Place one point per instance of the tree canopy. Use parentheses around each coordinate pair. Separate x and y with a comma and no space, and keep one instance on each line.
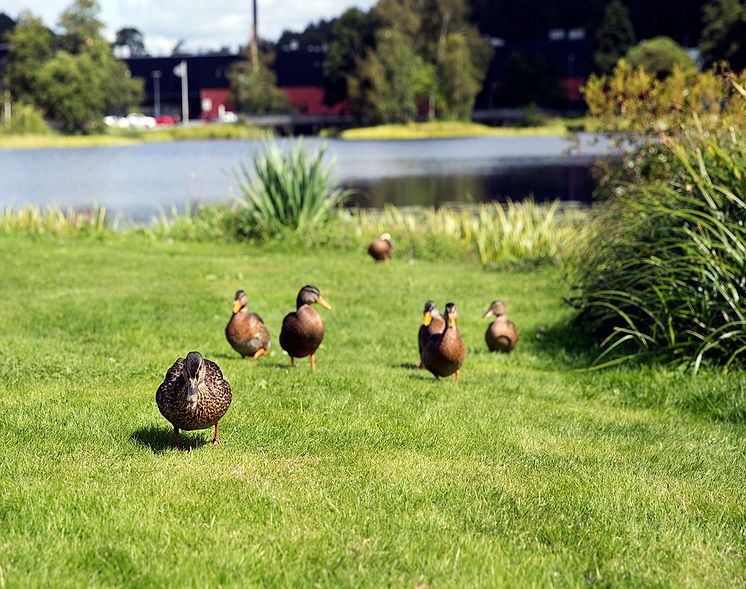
(614,37)
(724,33)
(659,56)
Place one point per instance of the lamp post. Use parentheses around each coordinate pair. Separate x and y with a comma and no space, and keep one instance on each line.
(156,75)
(180,71)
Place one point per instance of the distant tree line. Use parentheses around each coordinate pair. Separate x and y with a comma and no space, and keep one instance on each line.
(71,77)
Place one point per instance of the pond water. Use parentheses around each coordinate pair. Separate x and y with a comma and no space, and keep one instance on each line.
(138,180)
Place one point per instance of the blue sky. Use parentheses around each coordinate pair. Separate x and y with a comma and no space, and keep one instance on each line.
(202,23)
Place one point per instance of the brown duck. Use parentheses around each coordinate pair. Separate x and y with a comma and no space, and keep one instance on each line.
(502,334)
(444,353)
(380,250)
(194,395)
(432,323)
(246,331)
(302,330)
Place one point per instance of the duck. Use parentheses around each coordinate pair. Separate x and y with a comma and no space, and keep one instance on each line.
(246,332)
(194,395)
(445,352)
(432,323)
(502,334)
(380,250)
(303,330)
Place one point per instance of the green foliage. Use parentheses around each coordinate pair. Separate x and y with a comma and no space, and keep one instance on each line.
(614,37)
(288,190)
(724,33)
(31,44)
(77,85)
(659,56)
(351,36)
(54,221)
(255,92)
(664,277)
(25,120)
(530,79)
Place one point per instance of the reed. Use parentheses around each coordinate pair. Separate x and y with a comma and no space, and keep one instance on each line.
(663,277)
(53,220)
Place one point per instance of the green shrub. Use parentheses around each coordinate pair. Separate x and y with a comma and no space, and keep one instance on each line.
(26,120)
(288,190)
(664,277)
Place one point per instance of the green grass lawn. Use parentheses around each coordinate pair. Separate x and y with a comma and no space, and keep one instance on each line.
(442,129)
(366,473)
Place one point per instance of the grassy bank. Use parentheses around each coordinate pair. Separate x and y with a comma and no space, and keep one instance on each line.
(116,137)
(444,129)
(367,473)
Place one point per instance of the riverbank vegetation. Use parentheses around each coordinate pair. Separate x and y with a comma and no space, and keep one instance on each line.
(443,129)
(552,475)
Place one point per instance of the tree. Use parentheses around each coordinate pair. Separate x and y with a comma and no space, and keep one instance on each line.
(659,56)
(31,44)
(724,33)
(256,93)
(389,79)
(614,37)
(352,34)
(131,38)
(530,79)
(81,24)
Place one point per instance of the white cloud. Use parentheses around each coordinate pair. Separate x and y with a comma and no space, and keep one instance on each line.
(201,23)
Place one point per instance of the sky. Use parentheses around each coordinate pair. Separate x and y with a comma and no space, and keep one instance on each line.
(203,24)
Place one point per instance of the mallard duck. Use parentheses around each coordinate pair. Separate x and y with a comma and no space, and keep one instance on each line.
(432,323)
(380,250)
(502,334)
(444,352)
(302,330)
(246,331)
(194,395)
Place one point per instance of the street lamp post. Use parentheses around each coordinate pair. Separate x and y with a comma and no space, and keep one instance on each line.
(157,92)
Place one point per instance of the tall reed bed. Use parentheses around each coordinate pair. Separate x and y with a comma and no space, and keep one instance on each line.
(53,220)
(491,233)
(664,276)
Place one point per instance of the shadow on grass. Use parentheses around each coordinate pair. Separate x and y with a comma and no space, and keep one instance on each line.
(563,343)
(161,439)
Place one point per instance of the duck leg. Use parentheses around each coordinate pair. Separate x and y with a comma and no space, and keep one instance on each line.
(313,361)
(457,376)
(259,353)
(292,361)
(216,439)
(422,364)
(177,437)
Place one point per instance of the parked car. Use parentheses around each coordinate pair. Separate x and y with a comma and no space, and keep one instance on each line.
(164,120)
(138,120)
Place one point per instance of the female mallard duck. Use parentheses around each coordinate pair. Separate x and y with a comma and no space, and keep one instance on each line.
(380,250)
(501,334)
(432,323)
(444,352)
(246,331)
(194,395)
(302,330)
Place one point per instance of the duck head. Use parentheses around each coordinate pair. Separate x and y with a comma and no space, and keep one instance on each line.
(429,312)
(240,301)
(310,295)
(451,315)
(194,376)
(497,309)
(387,238)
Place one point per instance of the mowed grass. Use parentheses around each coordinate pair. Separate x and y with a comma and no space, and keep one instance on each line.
(366,473)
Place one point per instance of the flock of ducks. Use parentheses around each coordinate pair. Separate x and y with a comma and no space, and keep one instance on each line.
(194,395)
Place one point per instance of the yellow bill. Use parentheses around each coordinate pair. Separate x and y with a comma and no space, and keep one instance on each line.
(427,319)
(322,301)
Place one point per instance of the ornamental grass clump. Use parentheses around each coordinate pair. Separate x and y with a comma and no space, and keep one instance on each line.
(289,189)
(664,277)
(53,220)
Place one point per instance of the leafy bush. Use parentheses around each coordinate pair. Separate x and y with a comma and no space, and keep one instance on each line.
(26,120)
(288,190)
(659,56)
(664,277)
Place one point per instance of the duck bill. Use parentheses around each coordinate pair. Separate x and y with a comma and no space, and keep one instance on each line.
(192,394)
(451,322)
(427,319)
(324,303)
(489,313)
(236,306)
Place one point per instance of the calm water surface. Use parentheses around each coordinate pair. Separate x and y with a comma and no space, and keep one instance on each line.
(138,180)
